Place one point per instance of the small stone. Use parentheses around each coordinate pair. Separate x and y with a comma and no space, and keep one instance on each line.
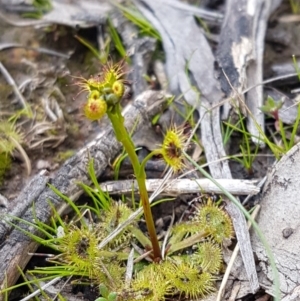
(287,232)
(42,164)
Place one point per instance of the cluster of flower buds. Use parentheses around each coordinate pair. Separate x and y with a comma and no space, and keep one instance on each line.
(105,90)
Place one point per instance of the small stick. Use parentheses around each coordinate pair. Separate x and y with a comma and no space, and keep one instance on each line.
(232,259)
(11,82)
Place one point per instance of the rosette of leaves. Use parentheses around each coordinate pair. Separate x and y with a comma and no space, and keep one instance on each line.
(177,275)
(187,279)
(209,220)
(215,221)
(150,283)
(208,256)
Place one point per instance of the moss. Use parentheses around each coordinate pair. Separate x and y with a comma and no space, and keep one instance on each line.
(5,163)
(63,156)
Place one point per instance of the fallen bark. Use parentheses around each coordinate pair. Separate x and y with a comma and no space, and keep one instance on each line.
(279,221)
(240,56)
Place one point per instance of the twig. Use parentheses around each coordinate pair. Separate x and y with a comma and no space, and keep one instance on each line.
(164,245)
(260,184)
(176,187)
(11,82)
(129,268)
(37,292)
(4,46)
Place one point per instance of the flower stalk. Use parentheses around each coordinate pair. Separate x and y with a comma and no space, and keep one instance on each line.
(123,137)
(105,93)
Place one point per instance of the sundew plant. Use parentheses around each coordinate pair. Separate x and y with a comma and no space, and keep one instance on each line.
(134,265)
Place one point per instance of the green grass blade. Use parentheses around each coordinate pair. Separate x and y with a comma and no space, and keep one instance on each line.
(295,128)
(116,39)
(88,45)
(34,237)
(68,201)
(138,19)
(283,136)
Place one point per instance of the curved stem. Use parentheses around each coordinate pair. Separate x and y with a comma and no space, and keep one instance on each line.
(148,157)
(122,136)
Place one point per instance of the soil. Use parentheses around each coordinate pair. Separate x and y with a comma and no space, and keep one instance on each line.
(50,75)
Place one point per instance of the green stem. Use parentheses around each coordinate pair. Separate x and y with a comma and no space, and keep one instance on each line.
(122,136)
(283,137)
(148,157)
(295,127)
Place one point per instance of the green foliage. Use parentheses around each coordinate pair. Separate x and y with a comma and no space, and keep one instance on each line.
(253,222)
(295,63)
(25,112)
(295,6)
(171,277)
(209,221)
(227,130)
(118,162)
(150,283)
(63,156)
(103,54)
(116,39)
(286,135)
(101,199)
(117,214)
(5,163)
(215,221)
(77,241)
(41,6)
(133,15)
(186,278)
(247,156)
(100,55)
(271,107)
(10,139)
(84,252)
(9,136)
(106,295)
(208,256)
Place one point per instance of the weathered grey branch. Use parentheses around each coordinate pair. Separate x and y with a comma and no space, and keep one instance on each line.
(15,245)
(181,186)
